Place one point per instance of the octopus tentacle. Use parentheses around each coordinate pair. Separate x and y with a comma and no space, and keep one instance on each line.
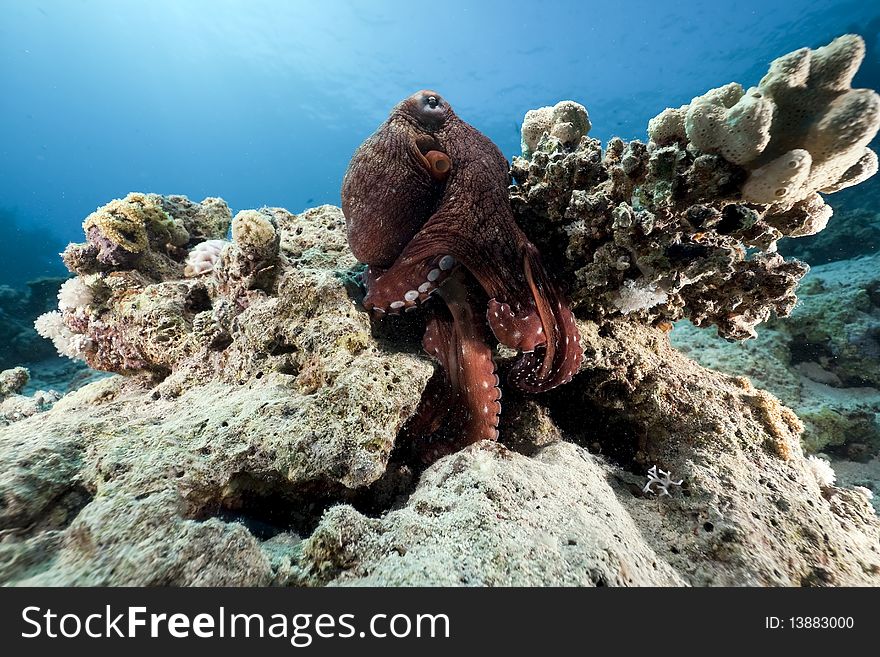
(425,198)
(525,311)
(457,341)
(559,358)
(405,285)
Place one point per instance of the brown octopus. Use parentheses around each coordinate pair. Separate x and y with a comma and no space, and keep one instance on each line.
(426,205)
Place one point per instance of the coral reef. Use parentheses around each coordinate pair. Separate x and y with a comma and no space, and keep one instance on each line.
(301,476)
(119,485)
(147,232)
(674,229)
(823,361)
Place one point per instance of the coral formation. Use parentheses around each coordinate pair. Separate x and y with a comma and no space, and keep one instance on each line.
(13,381)
(301,475)
(567,121)
(854,232)
(822,470)
(148,232)
(679,216)
(292,479)
(749,513)
(802,130)
(203,257)
(823,361)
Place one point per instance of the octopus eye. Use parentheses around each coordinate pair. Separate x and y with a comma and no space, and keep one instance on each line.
(428,109)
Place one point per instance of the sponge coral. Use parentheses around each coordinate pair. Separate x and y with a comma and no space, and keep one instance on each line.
(567,120)
(731,122)
(123,223)
(802,130)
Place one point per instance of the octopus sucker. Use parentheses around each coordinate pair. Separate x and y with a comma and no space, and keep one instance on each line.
(426,205)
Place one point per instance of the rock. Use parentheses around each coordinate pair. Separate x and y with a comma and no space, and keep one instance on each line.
(239,407)
(489,517)
(13,381)
(750,510)
(822,361)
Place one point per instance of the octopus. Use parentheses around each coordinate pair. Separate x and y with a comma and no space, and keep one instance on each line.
(425,200)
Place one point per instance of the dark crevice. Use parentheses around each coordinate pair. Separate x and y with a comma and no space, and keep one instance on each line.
(802,350)
(197,300)
(400,333)
(268,506)
(598,429)
(58,514)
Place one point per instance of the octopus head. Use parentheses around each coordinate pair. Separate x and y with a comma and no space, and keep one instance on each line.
(427,109)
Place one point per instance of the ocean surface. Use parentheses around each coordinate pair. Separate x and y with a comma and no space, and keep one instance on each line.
(263,102)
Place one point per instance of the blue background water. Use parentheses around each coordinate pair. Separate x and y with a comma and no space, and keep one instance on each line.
(263,102)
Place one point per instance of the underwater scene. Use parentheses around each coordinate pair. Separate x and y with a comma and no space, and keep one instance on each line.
(504,294)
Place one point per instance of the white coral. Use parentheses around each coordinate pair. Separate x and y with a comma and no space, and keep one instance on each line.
(822,471)
(662,479)
(567,120)
(203,257)
(73,294)
(51,326)
(639,295)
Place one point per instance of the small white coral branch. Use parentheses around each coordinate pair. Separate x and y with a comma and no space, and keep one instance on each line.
(51,326)
(822,471)
(635,296)
(663,480)
(74,293)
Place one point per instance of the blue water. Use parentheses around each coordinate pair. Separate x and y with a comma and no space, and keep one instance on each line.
(263,102)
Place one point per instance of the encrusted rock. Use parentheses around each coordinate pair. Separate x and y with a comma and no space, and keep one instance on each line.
(823,361)
(750,509)
(13,381)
